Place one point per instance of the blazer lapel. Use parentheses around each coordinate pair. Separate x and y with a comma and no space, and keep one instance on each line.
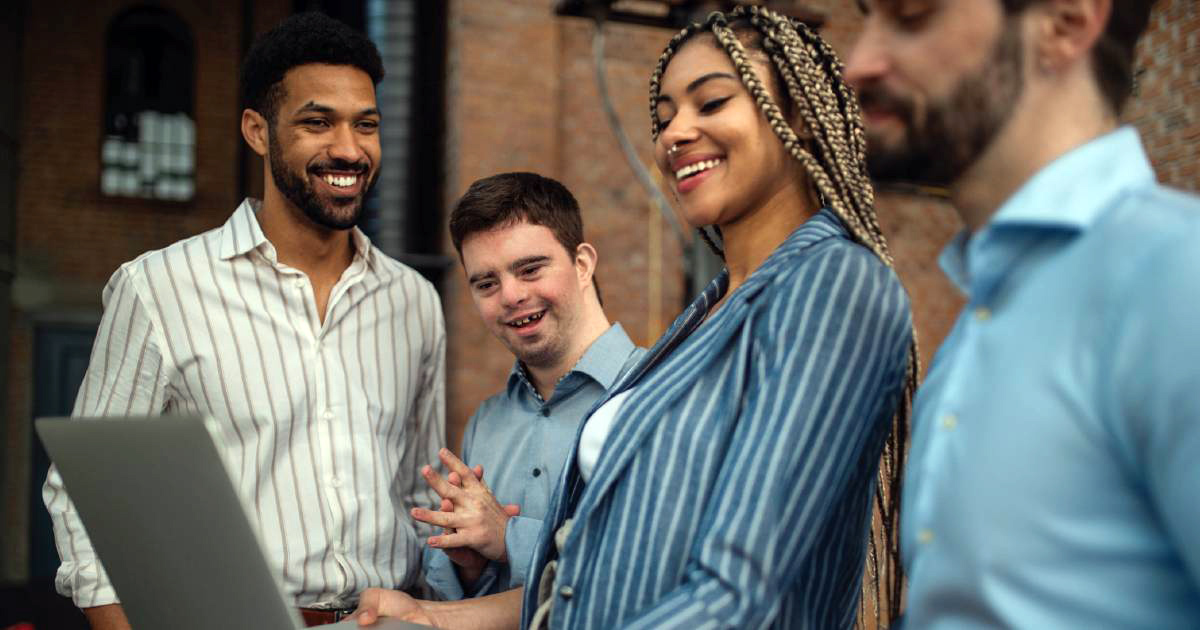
(629,431)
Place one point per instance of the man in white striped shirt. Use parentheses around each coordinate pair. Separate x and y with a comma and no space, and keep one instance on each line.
(320,358)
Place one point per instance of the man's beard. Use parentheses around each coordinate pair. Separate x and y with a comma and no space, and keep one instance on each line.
(297,190)
(956,131)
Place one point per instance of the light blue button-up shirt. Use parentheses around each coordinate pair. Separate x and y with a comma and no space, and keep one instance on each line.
(522,442)
(1054,477)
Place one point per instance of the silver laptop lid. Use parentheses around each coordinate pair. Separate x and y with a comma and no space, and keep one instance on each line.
(166,522)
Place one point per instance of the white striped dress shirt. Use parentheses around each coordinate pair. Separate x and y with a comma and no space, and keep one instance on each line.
(324,425)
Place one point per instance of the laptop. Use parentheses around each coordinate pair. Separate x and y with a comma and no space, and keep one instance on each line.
(144,485)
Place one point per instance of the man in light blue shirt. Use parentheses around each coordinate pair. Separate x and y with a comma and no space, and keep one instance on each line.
(520,239)
(1054,476)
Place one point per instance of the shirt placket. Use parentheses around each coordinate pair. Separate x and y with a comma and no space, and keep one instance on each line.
(330,412)
(989,260)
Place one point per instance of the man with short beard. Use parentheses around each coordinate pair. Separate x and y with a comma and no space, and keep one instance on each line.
(532,279)
(319,359)
(1052,481)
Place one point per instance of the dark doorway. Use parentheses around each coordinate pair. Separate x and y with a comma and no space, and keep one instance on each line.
(61,353)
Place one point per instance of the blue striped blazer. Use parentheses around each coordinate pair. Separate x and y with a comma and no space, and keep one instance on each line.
(734,488)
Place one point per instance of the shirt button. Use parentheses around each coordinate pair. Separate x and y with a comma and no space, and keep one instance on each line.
(949,421)
(983,313)
(545,412)
(925,536)
(328,414)
(566,592)
(335,482)
(537,472)
(299,284)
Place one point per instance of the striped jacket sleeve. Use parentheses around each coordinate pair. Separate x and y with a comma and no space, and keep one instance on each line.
(830,342)
(125,376)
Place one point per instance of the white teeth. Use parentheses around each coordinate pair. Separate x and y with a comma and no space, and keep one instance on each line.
(525,320)
(342,181)
(694,168)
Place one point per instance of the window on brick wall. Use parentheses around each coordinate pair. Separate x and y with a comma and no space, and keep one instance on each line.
(149,145)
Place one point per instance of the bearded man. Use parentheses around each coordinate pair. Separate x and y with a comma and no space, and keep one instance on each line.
(319,359)
(1052,481)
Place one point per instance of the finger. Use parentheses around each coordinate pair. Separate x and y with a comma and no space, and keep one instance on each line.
(368,608)
(441,519)
(439,485)
(450,541)
(447,506)
(478,470)
(454,479)
(512,509)
(454,464)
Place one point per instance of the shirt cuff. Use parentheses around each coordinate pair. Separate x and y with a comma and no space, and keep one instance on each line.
(86,584)
(520,539)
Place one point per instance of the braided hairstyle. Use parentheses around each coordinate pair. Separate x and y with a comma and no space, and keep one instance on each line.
(808,76)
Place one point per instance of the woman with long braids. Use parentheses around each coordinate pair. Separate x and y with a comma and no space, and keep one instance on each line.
(727,480)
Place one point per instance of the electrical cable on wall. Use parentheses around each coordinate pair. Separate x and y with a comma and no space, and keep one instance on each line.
(635,163)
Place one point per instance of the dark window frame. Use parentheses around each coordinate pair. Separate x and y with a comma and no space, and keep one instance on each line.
(148,142)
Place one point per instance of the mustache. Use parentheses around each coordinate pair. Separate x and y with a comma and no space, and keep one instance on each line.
(337,164)
(876,97)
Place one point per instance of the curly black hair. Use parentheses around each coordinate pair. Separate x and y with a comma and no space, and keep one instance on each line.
(301,39)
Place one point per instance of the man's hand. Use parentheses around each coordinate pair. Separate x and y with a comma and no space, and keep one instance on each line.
(107,617)
(475,519)
(501,611)
(469,564)
(377,602)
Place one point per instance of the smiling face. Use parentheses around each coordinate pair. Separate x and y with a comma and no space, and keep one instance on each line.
(529,291)
(727,161)
(938,81)
(324,144)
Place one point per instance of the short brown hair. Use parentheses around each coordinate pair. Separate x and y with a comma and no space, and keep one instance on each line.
(508,198)
(1113,56)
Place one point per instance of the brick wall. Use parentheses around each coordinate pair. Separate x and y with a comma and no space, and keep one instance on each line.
(1166,108)
(522,96)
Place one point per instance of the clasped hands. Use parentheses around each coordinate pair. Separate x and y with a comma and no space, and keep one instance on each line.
(473,521)
(474,525)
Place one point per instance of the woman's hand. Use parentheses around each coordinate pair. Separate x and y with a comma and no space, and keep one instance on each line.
(379,602)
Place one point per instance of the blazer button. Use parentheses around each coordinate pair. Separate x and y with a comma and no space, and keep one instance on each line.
(566,592)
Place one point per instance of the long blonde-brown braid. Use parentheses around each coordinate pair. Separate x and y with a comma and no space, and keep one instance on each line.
(833,154)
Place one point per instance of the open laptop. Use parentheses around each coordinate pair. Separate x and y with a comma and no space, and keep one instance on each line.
(167,523)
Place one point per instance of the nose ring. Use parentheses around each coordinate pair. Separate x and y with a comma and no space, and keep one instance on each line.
(673,150)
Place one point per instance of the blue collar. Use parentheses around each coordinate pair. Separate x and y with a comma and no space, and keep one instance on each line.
(602,361)
(1067,196)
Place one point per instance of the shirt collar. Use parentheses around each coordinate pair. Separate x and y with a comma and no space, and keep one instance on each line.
(1072,191)
(602,361)
(1070,194)
(822,225)
(242,234)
